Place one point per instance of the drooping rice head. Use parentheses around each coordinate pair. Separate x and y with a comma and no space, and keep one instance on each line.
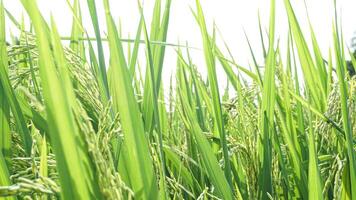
(93,120)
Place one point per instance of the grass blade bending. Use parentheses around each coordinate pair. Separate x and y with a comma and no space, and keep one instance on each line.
(135,162)
(210,61)
(68,145)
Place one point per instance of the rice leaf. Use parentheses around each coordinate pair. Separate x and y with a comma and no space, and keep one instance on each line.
(9,94)
(101,68)
(314,84)
(212,168)
(267,114)
(68,145)
(210,61)
(135,158)
(346,120)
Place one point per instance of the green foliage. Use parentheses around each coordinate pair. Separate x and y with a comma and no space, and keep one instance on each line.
(71,128)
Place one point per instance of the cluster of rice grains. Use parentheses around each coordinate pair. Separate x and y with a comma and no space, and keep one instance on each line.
(332,166)
(83,124)
(25,171)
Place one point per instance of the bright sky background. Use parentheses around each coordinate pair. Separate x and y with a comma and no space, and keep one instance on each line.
(231,17)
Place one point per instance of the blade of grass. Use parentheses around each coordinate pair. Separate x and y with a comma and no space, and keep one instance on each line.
(261,36)
(346,120)
(5,132)
(210,61)
(211,165)
(9,94)
(43,171)
(267,114)
(4,176)
(101,67)
(135,158)
(75,44)
(254,58)
(68,145)
(313,81)
(133,60)
(155,108)
(290,137)
(159,30)
(314,179)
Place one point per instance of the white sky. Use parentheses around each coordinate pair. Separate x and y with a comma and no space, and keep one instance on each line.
(231,16)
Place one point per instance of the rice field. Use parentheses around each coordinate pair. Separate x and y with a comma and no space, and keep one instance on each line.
(77,123)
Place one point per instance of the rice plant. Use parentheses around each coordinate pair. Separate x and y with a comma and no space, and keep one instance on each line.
(76,123)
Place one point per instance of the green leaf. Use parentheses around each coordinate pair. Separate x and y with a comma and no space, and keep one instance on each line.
(211,165)
(267,114)
(345,111)
(311,76)
(68,145)
(314,178)
(214,89)
(9,94)
(155,109)
(159,31)
(135,162)
(101,68)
